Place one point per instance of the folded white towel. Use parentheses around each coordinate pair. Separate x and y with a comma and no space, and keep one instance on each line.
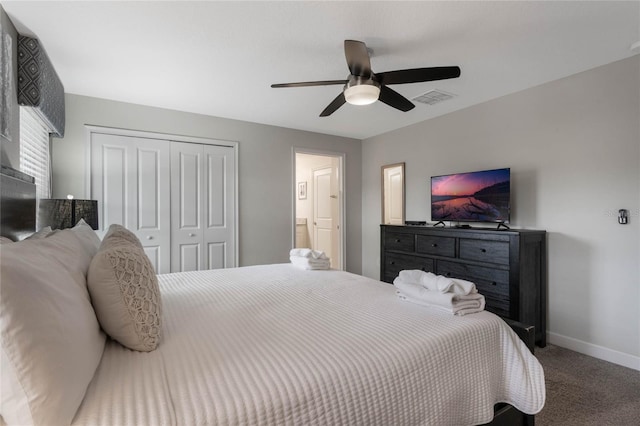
(310,264)
(414,276)
(307,253)
(430,281)
(461,308)
(443,284)
(437,283)
(458,304)
(457,286)
(410,289)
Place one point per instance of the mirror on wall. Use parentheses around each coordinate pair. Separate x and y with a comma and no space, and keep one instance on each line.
(393,194)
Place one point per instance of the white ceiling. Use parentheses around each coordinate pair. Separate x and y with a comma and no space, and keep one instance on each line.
(219,58)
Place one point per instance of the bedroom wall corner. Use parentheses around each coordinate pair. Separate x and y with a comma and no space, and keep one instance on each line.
(573,146)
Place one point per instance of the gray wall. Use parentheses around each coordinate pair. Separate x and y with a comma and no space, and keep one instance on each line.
(10,146)
(573,146)
(265,169)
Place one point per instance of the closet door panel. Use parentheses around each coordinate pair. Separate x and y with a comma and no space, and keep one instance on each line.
(130,180)
(216,167)
(216,255)
(189,183)
(219,206)
(186,207)
(189,257)
(113,186)
(152,223)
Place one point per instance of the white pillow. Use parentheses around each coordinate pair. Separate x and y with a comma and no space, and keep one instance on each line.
(5,240)
(88,237)
(42,233)
(51,341)
(124,292)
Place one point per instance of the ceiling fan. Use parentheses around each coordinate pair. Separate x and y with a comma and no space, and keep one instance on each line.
(364,87)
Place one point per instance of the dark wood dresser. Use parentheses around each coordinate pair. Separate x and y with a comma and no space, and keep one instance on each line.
(509,267)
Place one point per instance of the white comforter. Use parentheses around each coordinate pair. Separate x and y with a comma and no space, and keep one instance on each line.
(277,345)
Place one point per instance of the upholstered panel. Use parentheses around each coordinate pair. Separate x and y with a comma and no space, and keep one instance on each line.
(39,85)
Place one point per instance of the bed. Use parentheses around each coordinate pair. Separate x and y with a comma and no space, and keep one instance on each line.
(271,344)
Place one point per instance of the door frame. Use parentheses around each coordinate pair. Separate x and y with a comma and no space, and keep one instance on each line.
(89,130)
(341,156)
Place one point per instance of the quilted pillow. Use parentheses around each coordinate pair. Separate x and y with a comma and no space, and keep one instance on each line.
(118,234)
(124,292)
(51,342)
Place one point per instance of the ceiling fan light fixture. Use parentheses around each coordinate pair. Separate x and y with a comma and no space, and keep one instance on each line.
(362,94)
(364,87)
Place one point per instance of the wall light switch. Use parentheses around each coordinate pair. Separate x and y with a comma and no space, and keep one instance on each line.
(623,217)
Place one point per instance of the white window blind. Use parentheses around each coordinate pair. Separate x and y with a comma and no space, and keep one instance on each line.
(34,150)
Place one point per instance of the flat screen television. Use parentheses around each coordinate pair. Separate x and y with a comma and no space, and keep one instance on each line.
(483,196)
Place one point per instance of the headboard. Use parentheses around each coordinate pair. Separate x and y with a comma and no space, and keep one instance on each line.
(17,204)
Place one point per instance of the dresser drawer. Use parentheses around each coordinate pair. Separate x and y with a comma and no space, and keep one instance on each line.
(497,305)
(394,263)
(399,241)
(439,246)
(485,251)
(489,281)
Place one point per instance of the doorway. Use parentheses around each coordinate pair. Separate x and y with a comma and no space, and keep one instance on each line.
(319,203)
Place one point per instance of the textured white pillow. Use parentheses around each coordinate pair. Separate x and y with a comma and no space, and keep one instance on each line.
(124,292)
(118,234)
(51,341)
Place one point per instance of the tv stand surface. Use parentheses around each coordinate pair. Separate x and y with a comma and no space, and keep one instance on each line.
(508,266)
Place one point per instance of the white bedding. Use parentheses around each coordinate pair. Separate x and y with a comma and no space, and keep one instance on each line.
(275,344)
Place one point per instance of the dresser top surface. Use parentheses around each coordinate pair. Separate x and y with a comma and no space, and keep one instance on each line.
(458,231)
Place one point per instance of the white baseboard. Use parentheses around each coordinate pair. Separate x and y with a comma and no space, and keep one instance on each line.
(600,352)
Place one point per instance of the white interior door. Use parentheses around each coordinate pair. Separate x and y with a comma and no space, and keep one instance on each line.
(130,180)
(323,211)
(202,207)
(219,207)
(187,253)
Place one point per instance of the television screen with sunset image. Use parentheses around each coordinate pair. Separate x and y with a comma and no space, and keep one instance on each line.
(482,196)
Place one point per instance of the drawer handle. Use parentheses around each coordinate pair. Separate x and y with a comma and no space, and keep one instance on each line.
(392,262)
(483,250)
(397,240)
(448,274)
(434,245)
(494,283)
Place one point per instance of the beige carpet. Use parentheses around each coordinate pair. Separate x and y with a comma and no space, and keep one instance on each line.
(583,391)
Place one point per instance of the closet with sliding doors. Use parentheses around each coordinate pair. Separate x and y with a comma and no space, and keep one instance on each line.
(177,194)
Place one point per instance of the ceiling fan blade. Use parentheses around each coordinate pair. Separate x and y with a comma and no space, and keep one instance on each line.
(310,83)
(357,58)
(395,99)
(334,105)
(418,75)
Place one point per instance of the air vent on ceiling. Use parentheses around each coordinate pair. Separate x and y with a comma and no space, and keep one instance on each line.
(433,97)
